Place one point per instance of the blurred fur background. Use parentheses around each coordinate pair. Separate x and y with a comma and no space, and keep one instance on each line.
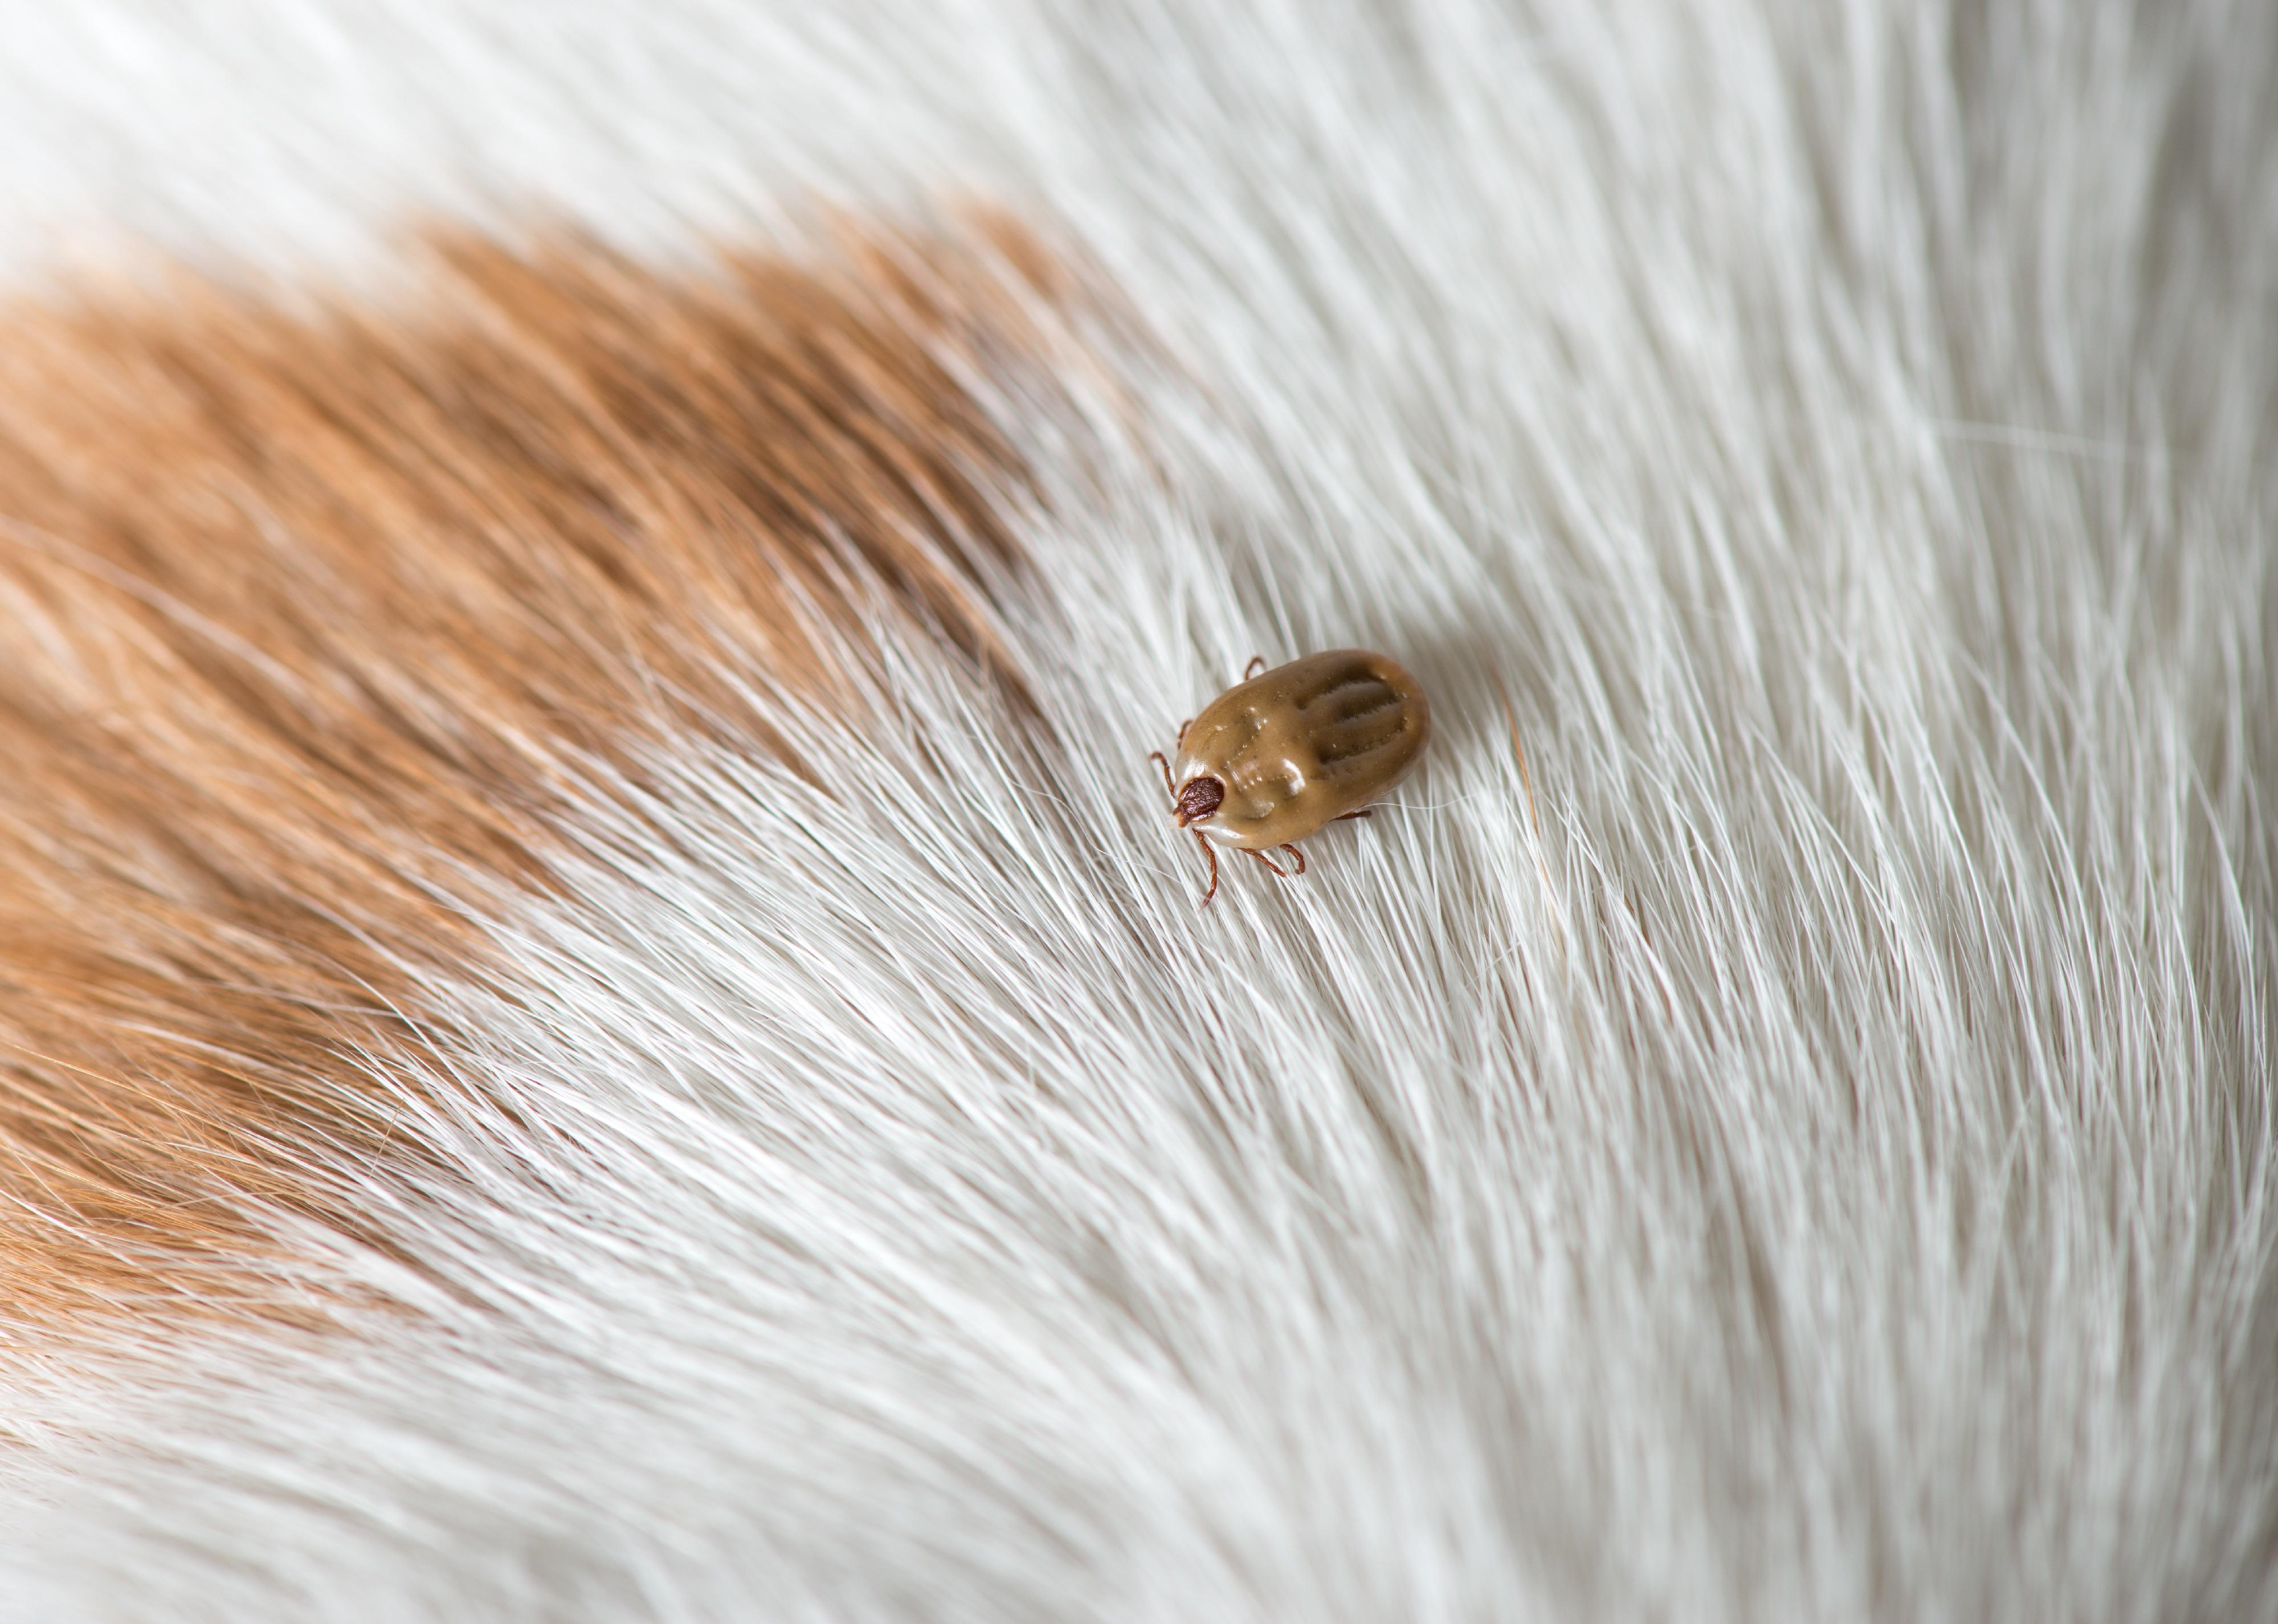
(600,1017)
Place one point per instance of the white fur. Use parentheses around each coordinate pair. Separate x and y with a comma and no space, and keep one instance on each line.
(1808,1157)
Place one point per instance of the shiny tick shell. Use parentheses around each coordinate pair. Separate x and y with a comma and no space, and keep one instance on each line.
(1294,748)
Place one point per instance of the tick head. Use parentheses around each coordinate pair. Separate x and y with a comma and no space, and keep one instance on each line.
(1199,798)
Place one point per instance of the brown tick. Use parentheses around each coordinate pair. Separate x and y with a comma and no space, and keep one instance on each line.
(1278,755)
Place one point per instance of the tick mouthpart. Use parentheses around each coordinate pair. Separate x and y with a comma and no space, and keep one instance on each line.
(1199,798)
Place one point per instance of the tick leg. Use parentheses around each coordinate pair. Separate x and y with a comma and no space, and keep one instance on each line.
(1342,816)
(1184,726)
(1293,852)
(1269,862)
(1210,852)
(1156,756)
(1257,664)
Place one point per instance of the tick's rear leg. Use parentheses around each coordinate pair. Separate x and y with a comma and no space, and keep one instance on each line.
(1257,664)
(1299,856)
(1269,862)
(1342,817)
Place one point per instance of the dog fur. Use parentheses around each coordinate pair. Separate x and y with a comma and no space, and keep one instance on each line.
(600,1017)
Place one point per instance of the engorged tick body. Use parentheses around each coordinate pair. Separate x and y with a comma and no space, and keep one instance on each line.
(1278,755)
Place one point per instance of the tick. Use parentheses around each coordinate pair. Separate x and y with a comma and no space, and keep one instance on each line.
(1281,754)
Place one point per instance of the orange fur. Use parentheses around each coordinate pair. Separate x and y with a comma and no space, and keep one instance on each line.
(302,613)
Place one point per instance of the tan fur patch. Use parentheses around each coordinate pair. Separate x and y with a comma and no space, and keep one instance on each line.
(301,614)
